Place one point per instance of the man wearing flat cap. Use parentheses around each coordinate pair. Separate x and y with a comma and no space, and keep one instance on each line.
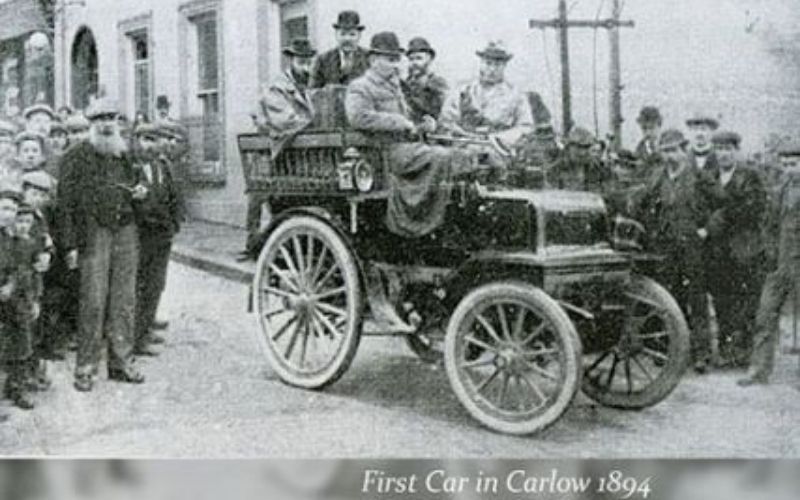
(38,118)
(735,271)
(424,90)
(97,190)
(675,209)
(348,60)
(578,169)
(490,105)
(285,109)
(420,180)
(701,128)
(784,224)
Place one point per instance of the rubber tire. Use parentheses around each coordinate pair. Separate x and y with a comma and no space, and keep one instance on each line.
(679,358)
(338,247)
(544,305)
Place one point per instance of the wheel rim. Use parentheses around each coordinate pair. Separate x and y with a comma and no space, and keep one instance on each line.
(643,354)
(306,300)
(511,360)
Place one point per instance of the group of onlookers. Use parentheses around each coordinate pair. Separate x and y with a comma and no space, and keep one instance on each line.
(702,205)
(88,207)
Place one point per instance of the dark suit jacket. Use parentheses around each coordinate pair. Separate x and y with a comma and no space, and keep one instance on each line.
(735,227)
(711,168)
(425,95)
(328,68)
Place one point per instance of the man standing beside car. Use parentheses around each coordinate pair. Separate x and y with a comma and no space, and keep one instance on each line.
(285,110)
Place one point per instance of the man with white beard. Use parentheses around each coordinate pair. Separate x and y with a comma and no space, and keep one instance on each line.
(98,187)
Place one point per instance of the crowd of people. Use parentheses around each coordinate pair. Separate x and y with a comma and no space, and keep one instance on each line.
(726,226)
(89,204)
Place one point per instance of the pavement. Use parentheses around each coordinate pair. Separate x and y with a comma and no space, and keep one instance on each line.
(213,248)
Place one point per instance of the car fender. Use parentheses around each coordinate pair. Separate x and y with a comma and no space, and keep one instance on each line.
(489,267)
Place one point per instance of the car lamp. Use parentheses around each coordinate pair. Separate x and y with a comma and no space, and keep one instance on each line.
(355,172)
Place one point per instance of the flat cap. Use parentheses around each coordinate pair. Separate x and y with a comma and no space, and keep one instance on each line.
(671,138)
(146,128)
(172,129)
(727,137)
(38,179)
(789,148)
(102,107)
(26,135)
(699,119)
(419,44)
(38,108)
(58,127)
(10,194)
(77,123)
(24,208)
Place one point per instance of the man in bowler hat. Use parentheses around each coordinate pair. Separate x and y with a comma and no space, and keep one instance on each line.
(285,109)
(348,60)
(425,91)
(650,122)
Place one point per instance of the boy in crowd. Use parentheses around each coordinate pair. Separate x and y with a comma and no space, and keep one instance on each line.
(30,152)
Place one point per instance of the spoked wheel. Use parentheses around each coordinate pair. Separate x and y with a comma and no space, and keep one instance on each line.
(513,357)
(651,356)
(309,303)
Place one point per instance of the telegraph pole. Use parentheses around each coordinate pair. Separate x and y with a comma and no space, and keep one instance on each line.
(563,25)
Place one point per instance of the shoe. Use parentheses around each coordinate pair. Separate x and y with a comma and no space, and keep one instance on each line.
(145,350)
(154,338)
(243,256)
(701,367)
(160,325)
(22,401)
(752,380)
(127,376)
(83,383)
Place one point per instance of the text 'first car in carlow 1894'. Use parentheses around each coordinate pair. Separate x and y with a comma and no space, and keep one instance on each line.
(520,291)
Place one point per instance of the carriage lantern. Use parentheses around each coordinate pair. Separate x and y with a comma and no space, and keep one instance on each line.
(355,172)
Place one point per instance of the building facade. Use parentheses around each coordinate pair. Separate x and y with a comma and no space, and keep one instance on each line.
(736,59)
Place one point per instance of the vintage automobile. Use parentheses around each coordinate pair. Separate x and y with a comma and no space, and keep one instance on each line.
(520,292)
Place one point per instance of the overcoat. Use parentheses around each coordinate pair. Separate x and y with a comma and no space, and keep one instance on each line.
(286,110)
(328,69)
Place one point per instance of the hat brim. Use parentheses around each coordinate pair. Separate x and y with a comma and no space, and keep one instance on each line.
(294,53)
(713,124)
(105,114)
(428,51)
(380,52)
(495,56)
(357,27)
(674,144)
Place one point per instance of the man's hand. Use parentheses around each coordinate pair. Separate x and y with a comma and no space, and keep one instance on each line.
(139,192)
(42,263)
(702,233)
(72,260)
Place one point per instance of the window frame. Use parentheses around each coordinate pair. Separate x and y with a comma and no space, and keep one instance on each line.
(128,30)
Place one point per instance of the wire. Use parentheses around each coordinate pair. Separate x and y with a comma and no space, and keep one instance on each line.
(547,66)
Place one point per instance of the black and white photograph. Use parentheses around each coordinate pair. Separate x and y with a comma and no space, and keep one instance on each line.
(397,229)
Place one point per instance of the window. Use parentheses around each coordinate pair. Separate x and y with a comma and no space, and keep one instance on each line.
(202,87)
(140,49)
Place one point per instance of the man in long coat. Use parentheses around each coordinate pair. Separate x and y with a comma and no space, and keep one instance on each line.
(675,209)
(285,110)
(348,60)
(97,190)
(735,274)
(785,277)
(420,178)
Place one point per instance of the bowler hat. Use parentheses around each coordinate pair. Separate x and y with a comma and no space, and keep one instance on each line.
(385,43)
(299,47)
(649,114)
(727,138)
(671,138)
(38,108)
(419,44)
(38,179)
(495,50)
(102,107)
(162,102)
(701,119)
(348,20)
(581,137)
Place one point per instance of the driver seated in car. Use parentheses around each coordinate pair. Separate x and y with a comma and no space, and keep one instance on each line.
(420,181)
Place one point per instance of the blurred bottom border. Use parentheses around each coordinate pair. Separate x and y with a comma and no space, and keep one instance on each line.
(399,479)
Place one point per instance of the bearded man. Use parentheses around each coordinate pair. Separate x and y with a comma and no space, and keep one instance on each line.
(96,205)
(424,90)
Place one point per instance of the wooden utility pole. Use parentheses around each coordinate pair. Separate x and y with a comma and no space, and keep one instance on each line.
(563,25)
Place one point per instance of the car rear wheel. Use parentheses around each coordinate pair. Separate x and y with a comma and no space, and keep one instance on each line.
(309,302)
(645,366)
(512,357)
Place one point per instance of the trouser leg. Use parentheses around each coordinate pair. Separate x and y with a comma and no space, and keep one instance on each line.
(122,297)
(95,260)
(154,252)
(777,289)
(256,202)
